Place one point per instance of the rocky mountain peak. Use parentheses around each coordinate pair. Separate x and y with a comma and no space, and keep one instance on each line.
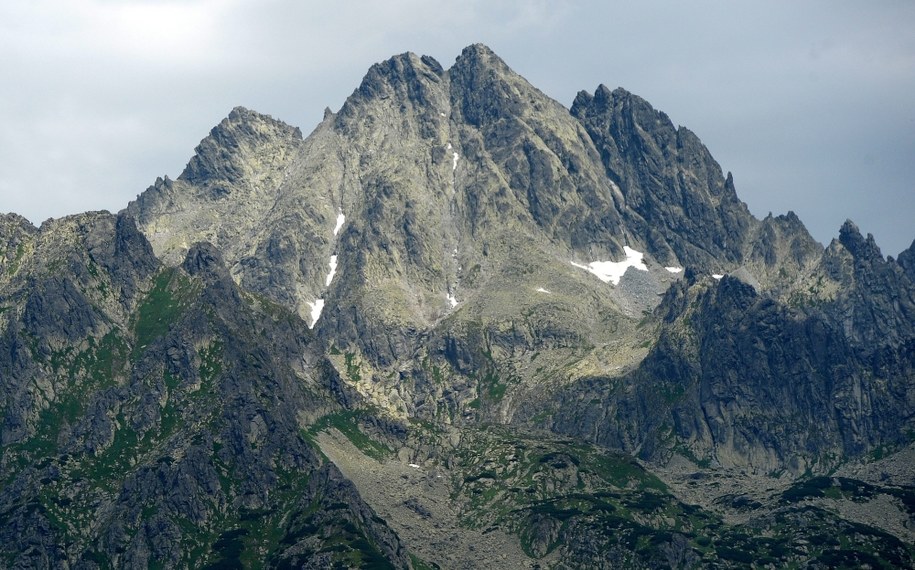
(860,247)
(401,76)
(12,223)
(906,260)
(674,191)
(448,321)
(635,109)
(479,56)
(488,89)
(225,155)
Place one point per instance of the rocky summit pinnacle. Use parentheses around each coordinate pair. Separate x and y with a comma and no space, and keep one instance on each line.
(459,325)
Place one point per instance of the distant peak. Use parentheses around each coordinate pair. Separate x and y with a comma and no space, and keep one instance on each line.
(604,99)
(240,111)
(243,115)
(850,236)
(477,50)
(242,129)
(906,259)
(859,246)
(480,56)
(12,219)
(402,75)
(604,93)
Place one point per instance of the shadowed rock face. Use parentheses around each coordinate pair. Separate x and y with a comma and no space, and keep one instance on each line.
(422,283)
(741,380)
(907,261)
(673,189)
(154,415)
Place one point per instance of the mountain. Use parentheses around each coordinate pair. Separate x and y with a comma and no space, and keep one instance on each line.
(461,326)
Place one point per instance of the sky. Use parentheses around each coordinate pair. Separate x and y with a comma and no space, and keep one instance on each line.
(811,105)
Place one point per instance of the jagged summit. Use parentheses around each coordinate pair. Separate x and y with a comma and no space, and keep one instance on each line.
(674,191)
(859,246)
(242,137)
(906,260)
(398,76)
(457,324)
(434,169)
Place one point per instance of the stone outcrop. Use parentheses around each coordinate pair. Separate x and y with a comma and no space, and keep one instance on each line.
(562,323)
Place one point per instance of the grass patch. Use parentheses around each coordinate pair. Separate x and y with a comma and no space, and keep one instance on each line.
(352,367)
(162,307)
(347,423)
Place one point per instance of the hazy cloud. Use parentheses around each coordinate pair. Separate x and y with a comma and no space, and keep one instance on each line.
(809,104)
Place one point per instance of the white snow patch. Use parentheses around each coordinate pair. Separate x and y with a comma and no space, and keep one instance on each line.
(414,466)
(717,275)
(674,269)
(542,290)
(316,309)
(612,271)
(452,300)
(442,114)
(341,219)
(333,270)
(449,146)
(454,162)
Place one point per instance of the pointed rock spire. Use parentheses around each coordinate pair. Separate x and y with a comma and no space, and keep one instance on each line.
(856,244)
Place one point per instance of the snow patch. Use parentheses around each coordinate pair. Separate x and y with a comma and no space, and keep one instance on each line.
(316,309)
(414,466)
(717,275)
(454,162)
(612,271)
(452,300)
(542,290)
(674,269)
(333,270)
(341,219)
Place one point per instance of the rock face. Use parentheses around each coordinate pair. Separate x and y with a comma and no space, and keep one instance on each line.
(673,189)
(562,324)
(154,415)
(907,261)
(737,380)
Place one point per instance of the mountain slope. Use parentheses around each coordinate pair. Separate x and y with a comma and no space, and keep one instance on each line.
(154,416)
(457,321)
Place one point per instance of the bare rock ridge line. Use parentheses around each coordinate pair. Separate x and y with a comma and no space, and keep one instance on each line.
(458,325)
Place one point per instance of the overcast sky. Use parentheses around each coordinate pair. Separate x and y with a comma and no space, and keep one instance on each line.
(810,104)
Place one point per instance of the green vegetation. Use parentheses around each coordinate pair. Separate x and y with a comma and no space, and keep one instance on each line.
(352,367)
(515,483)
(17,259)
(162,307)
(347,422)
(80,374)
(701,462)
(561,494)
(490,385)
(343,539)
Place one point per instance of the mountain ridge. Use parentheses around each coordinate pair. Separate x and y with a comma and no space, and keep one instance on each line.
(455,308)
